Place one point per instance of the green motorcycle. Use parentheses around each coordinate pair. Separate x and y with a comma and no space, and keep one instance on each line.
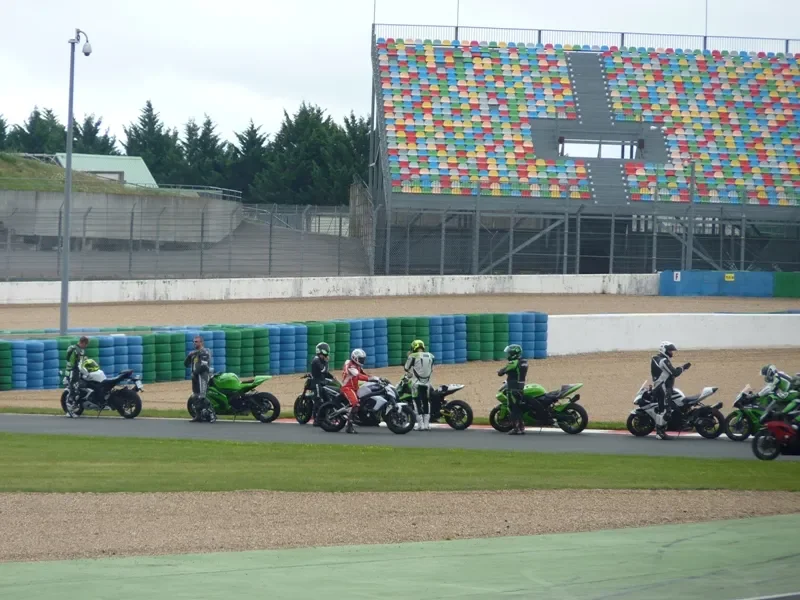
(230,395)
(749,408)
(561,406)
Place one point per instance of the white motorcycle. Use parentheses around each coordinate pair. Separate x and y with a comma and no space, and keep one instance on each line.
(690,413)
(120,393)
(377,400)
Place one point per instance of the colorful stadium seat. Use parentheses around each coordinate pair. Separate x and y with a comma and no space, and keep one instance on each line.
(734,116)
(458,118)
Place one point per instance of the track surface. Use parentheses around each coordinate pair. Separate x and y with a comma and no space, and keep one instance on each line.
(472,439)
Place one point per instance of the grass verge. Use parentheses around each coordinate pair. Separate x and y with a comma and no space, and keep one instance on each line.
(53,463)
(182,414)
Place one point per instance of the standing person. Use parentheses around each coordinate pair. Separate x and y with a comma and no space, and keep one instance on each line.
(353,374)
(199,360)
(419,370)
(320,376)
(76,354)
(516,371)
(664,375)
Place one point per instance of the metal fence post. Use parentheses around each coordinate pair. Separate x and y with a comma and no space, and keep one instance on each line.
(8,247)
(655,242)
(442,242)
(83,239)
(130,244)
(476,239)
(60,241)
(387,242)
(158,240)
(202,240)
(374,240)
(230,242)
(511,242)
(578,243)
(271,223)
(741,248)
(611,249)
(303,239)
(339,244)
(408,245)
(566,242)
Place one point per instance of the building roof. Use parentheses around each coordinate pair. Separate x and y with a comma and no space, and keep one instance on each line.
(130,169)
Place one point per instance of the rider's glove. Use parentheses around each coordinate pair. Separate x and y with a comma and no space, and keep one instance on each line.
(686,366)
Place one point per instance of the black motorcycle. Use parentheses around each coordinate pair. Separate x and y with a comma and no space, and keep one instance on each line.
(456,413)
(689,413)
(120,393)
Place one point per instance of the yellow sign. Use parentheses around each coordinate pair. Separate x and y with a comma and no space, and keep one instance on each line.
(730,277)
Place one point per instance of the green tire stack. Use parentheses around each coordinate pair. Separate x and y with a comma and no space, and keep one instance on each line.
(260,351)
(487,337)
(394,326)
(63,343)
(163,356)
(500,335)
(93,350)
(316,334)
(329,333)
(342,342)
(233,351)
(149,358)
(177,346)
(473,337)
(6,368)
(422,332)
(248,358)
(408,327)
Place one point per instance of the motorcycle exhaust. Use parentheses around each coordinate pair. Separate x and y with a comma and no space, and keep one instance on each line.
(717,406)
(575,398)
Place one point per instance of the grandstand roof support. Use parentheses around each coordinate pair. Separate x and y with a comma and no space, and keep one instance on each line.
(522,246)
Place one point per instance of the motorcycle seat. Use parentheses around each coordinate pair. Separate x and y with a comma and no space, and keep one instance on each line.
(691,399)
(247,380)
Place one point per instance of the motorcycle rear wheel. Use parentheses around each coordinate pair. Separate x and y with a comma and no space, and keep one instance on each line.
(265,408)
(129,403)
(738,426)
(640,425)
(578,422)
(458,414)
(328,422)
(78,410)
(711,428)
(504,424)
(765,446)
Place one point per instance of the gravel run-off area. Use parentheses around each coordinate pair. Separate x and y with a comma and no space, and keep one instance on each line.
(67,526)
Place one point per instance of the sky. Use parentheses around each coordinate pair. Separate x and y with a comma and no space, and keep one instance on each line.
(236,60)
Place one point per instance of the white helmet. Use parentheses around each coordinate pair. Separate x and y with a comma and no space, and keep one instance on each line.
(667,348)
(359,356)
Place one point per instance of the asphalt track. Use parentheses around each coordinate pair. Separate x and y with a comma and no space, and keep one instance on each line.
(472,439)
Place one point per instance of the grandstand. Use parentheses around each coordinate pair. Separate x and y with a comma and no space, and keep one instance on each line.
(473,171)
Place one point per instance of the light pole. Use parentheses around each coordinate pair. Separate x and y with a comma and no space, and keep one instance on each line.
(65,233)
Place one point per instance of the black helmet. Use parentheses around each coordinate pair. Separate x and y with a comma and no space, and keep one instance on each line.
(323,349)
(513,351)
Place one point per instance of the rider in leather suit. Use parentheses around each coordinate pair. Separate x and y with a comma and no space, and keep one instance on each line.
(664,374)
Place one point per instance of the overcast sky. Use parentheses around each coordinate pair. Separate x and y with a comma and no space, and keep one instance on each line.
(238,59)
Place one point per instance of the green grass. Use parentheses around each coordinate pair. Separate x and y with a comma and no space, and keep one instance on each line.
(182,414)
(24,174)
(52,463)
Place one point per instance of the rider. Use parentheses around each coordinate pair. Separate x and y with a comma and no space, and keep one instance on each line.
(779,384)
(664,375)
(76,354)
(199,360)
(320,375)
(419,369)
(352,374)
(516,371)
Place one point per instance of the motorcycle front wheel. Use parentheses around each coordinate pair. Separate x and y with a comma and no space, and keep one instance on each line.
(265,407)
(576,420)
(711,427)
(640,424)
(501,424)
(190,408)
(327,421)
(303,409)
(400,421)
(738,426)
(765,446)
(78,410)
(129,403)
(458,414)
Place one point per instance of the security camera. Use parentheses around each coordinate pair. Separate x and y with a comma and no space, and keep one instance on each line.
(87,49)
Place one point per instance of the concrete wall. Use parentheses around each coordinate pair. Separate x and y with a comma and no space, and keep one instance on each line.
(321,287)
(581,334)
(166,218)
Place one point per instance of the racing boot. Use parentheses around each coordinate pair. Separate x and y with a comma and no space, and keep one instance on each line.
(417,421)
(661,426)
(350,427)
(426,422)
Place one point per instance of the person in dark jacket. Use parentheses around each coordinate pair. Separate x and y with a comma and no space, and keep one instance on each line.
(515,372)
(320,376)
(664,374)
(199,360)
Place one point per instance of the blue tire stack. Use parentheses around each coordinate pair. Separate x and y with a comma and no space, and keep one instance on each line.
(121,358)
(189,346)
(515,330)
(528,334)
(540,351)
(215,341)
(448,353)
(300,348)
(356,337)
(274,349)
(52,379)
(436,341)
(288,349)
(106,358)
(367,341)
(381,343)
(19,361)
(460,331)
(135,354)
(35,353)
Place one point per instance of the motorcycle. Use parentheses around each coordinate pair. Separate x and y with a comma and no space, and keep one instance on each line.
(227,394)
(120,393)
(778,435)
(456,413)
(377,400)
(690,413)
(561,406)
(750,407)
(304,403)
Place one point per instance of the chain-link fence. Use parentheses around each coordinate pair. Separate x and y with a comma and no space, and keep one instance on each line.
(461,242)
(154,239)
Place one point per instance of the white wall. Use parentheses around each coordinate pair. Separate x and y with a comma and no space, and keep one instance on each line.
(580,334)
(156,290)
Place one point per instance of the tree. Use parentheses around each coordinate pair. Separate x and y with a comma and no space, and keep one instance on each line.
(88,139)
(41,133)
(357,130)
(248,158)
(3,132)
(206,156)
(157,145)
(308,162)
